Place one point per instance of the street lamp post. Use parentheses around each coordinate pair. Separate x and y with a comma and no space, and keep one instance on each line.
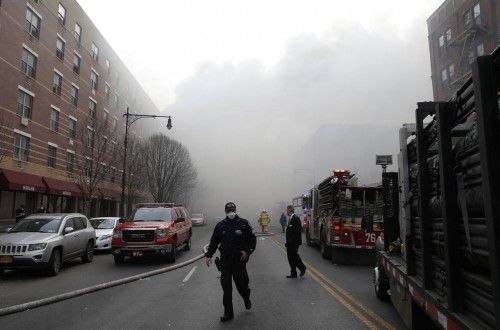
(128,122)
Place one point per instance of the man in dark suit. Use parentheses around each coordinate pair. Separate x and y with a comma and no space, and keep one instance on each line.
(293,241)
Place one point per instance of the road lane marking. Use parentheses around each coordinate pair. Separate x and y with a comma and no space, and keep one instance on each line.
(188,276)
(342,291)
(339,298)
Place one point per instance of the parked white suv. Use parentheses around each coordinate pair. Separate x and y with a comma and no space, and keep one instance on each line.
(46,241)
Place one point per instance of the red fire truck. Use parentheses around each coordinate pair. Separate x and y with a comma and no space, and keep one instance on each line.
(346,219)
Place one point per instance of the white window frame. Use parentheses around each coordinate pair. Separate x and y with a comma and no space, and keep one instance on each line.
(59,16)
(30,50)
(53,145)
(34,11)
(58,72)
(25,90)
(28,135)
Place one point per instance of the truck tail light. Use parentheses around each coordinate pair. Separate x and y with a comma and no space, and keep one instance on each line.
(336,227)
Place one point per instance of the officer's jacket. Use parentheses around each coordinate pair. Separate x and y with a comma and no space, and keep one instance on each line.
(233,236)
(294,232)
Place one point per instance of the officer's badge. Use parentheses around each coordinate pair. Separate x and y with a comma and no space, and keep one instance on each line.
(238,231)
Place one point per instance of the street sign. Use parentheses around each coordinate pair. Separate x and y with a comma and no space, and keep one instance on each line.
(383,160)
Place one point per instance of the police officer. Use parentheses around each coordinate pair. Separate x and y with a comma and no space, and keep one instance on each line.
(293,241)
(236,241)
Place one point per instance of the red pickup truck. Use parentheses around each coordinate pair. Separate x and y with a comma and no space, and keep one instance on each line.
(153,229)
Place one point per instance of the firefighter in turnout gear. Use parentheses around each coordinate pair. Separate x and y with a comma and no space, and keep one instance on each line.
(264,220)
(236,242)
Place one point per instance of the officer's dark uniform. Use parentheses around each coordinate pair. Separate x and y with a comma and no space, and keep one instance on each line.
(293,241)
(233,235)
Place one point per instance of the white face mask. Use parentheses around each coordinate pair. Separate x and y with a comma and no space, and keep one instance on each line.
(231,215)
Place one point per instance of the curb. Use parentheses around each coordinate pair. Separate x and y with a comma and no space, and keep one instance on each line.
(98,287)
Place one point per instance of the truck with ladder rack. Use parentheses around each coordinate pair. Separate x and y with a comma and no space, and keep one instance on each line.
(439,257)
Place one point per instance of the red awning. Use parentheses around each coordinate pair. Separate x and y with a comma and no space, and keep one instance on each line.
(109,194)
(13,180)
(62,188)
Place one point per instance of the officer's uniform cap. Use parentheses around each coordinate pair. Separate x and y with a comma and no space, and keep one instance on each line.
(230,207)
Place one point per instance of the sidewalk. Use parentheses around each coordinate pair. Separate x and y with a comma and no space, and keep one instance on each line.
(6,223)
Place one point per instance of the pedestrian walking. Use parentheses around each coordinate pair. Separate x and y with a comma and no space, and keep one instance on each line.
(236,241)
(293,241)
(20,213)
(283,222)
(264,220)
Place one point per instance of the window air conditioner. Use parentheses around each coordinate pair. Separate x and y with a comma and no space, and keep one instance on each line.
(24,121)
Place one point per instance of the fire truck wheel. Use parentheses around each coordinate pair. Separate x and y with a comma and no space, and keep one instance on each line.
(381,284)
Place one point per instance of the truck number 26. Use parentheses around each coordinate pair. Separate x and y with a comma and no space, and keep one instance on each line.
(370,237)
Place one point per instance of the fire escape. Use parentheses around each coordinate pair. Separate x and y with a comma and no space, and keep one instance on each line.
(465,43)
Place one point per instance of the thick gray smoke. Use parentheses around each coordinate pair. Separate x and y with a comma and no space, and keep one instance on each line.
(333,101)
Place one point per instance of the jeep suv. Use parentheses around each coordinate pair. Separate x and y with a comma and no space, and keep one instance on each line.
(153,229)
(46,241)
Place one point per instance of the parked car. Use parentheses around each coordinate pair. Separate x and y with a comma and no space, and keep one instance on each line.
(157,229)
(46,241)
(198,219)
(104,227)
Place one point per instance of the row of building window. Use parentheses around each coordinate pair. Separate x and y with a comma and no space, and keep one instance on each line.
(33,26)
(25,102)
(21,150)
(29,66)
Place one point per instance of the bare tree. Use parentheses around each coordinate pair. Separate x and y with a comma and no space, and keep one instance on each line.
(97,152)
(169,170)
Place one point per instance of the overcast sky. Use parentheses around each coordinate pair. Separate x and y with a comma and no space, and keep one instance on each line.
(163,42)
(259,89)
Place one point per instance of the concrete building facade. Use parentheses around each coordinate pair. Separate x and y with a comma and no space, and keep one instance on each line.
(58,76)
(459,31)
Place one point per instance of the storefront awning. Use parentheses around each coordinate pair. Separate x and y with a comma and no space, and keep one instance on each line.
(12,180)
(62,188)
(109,194)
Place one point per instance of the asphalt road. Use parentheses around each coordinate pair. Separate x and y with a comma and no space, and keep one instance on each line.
(328,297)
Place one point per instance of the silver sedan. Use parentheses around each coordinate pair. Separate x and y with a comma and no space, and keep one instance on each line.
(46,241)
(198,219)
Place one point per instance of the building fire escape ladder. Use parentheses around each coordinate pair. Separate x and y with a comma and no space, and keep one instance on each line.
(469,38)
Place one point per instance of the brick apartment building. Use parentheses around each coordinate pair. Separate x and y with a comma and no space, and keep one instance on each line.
(57,74)
(459,31)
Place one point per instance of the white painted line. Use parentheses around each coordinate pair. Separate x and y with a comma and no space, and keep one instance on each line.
(188,276)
